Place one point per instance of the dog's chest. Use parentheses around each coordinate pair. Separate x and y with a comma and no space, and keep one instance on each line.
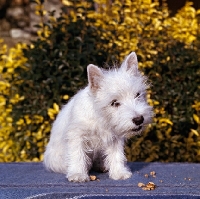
(92,142)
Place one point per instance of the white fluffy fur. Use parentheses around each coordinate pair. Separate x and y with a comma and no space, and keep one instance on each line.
(90,130)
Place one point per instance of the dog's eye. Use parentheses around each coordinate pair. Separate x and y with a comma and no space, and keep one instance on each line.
(137,95)
(115,103)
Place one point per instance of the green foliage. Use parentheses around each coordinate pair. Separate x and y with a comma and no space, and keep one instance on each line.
(53,68)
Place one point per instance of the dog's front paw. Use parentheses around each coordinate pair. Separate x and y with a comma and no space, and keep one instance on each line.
(121,175)
(78,177)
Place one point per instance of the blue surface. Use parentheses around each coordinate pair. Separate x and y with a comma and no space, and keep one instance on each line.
(31,180)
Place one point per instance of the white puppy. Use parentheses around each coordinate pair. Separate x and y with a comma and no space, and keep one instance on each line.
(91,129)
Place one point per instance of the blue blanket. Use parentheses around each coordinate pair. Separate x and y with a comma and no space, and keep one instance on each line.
(31,180)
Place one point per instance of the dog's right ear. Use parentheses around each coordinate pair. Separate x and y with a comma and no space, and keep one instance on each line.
(95,76)
(130,63)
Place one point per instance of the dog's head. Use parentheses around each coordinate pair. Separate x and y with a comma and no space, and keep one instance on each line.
(120,97)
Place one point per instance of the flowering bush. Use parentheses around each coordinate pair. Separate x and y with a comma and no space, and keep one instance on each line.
(9,61)
(38,78)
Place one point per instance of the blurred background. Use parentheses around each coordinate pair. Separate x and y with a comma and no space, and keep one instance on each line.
(45,47)
(17,17)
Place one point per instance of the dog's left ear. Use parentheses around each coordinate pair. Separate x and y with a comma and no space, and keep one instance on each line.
(95,75)
(130,63)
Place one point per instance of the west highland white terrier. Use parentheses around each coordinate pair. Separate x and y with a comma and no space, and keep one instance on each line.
(92,127)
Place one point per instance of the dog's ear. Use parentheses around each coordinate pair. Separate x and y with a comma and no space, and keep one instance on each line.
(95,76)
(130,63)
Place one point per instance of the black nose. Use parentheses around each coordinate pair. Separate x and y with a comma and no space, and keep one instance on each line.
(138,120)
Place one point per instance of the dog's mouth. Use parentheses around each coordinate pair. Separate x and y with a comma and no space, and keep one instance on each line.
(134,131)
(137,129)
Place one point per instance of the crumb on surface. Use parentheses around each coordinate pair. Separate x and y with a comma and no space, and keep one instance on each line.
(93,177)
(153,174)
(146,175)
(140,184)
(149,186)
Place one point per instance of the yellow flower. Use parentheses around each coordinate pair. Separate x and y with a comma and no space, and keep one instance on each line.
(165,120)
(66,97)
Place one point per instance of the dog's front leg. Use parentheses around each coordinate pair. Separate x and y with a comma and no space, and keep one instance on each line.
(77,161)
(115,161)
